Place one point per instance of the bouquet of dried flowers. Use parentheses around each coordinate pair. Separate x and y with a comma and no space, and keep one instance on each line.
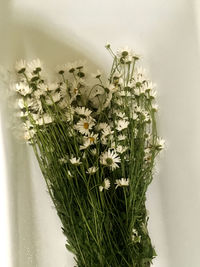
(96,143)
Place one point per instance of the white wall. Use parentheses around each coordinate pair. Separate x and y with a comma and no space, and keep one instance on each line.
(166,34)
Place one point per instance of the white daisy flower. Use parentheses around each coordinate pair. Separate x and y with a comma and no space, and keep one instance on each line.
(135,237)
(52,86)
(96,75)
(121,115)
(61,68)
(93,151)
(122,124)
(45,119)
(122,182)
(107,131)
(105,185)
(121,149)
(37,105)
(63,104)
(22,114)
(89,140)
(155,107)
(85,125)
(35,65)
(134,115)
(69,173)
(160,143)
(101,126)
(146,116)
(124,52)
(112,88)
(53,98)
(152,94)
(110,158)
(22,103)
(107,45)
(147,155)
(20,66)
(139,91)
(38,93)
(69,114)
(149,86)
(29,134)
(140,71)
(83,111)
(124,93)
(121,137)
(92,170)
(71,66)
(138,109)
(23,89)
(75,161)
(104,140)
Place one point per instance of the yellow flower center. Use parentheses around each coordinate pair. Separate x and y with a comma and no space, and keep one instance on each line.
(91,139)
(86,125)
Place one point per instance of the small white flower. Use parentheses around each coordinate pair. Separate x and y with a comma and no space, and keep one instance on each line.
(110,159)
(160,143)
(84,125)
(121,115)
(96,75)
(92,170)
(135,237)
(152,94)
(107,131)
(29,134)
(107,45)
(101,126)
(23,89)
(20,66)
(146,116)
(93,151)
(53,98)
(125,52)
(122,182)
(121,137)
(105,185)
(69,173)
(89,140)
(22,103)
(140,71)
(138,109)
(38,93)
(149,86)
(75,161)
(134,115)
(69,114)
(83,111)
(139,91)
(112,88)
(45,119)
(52,87)
(35,65)
(154,107)
(121,149)
(122,124)
(124,93)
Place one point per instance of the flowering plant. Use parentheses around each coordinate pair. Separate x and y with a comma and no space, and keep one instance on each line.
(96,145)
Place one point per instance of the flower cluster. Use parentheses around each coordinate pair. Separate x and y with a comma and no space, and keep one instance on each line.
(102,136)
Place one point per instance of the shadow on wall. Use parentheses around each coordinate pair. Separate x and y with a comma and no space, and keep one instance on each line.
(26,39)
